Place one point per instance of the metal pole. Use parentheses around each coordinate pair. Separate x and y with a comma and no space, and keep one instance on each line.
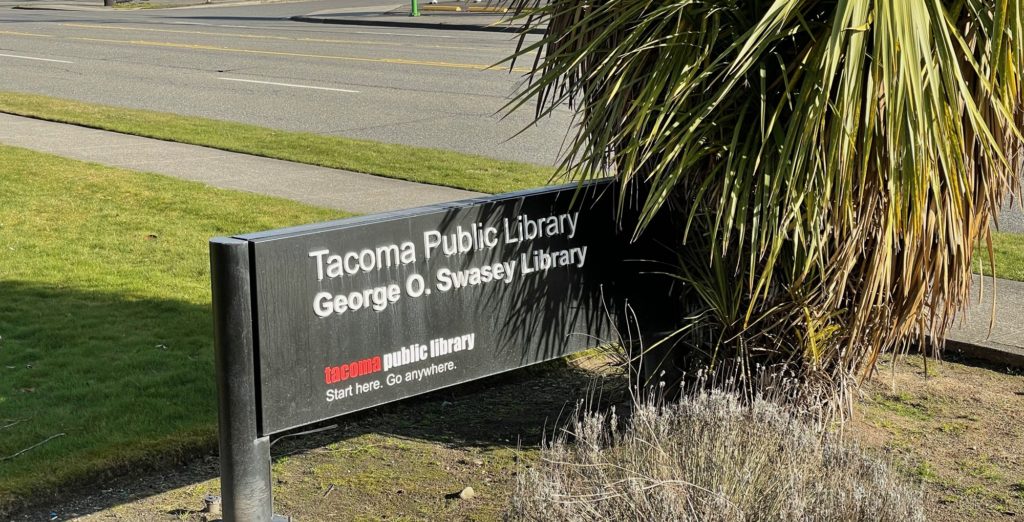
(244,455)
(415,8)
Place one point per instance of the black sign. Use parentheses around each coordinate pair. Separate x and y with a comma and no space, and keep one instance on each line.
(359,312)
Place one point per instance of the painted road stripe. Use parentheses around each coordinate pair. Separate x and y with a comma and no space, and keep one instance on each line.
(33,58)
(306,30)
(409,35)
(289,85)
(215,48)
(282,38)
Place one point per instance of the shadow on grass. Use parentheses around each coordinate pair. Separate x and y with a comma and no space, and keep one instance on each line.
(130,381)
(127,380)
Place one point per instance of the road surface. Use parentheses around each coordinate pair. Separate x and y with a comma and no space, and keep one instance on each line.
(251,64)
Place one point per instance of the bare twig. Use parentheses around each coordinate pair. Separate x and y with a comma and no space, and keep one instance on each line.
(307,432)
(17,421)
(36,445)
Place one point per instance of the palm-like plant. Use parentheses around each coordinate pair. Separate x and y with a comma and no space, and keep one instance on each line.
(839,159)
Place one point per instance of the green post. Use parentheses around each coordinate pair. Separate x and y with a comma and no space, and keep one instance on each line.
(415,8)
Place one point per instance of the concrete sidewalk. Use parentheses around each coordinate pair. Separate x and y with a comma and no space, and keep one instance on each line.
(400,16)
(338,189)
(362,193)
(1004,346)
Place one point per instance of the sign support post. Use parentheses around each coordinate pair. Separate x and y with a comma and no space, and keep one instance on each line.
(244,455)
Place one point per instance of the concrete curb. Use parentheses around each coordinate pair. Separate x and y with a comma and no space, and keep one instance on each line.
(989,328)
(990,352)
(415,25)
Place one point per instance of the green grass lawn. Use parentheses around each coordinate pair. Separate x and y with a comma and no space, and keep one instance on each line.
(436,167)
(105,329)
(1009,256)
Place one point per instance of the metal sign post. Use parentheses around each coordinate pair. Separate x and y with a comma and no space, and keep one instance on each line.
(244,455)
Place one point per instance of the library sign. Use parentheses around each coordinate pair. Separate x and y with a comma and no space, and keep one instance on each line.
(318,321)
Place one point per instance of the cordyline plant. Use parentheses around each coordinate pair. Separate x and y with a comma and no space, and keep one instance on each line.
(830,166)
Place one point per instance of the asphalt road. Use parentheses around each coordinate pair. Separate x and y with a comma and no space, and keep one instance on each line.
(424,87)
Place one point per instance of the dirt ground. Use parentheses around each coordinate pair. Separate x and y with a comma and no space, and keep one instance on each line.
(958,430)
(405,461)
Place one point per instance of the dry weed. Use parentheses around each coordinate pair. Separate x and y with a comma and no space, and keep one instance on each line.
(709,456)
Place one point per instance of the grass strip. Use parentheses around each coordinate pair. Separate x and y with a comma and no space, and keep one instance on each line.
(436,167)
(1008,250)
(105,328)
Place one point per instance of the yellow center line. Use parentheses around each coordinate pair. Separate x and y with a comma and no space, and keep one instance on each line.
(278,38)
(396,61)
